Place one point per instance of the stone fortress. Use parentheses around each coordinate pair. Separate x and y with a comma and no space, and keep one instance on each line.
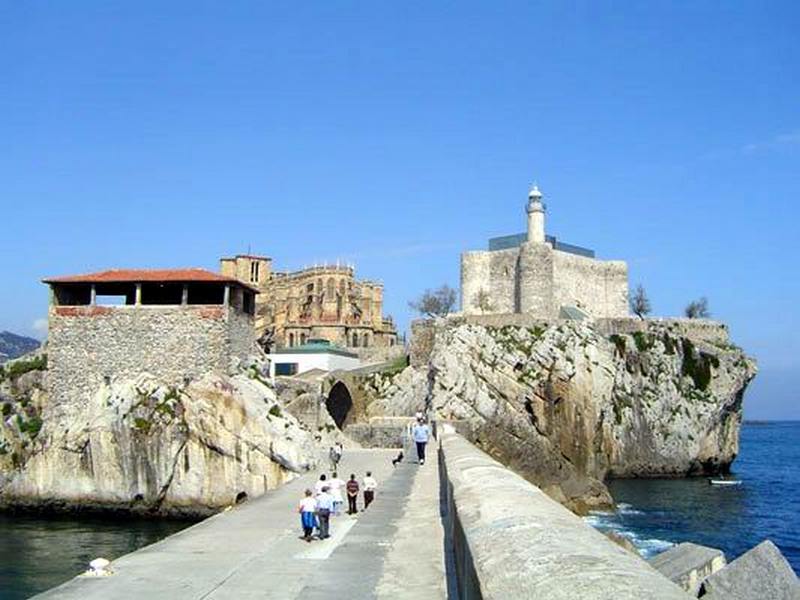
(537,275)
(320,302)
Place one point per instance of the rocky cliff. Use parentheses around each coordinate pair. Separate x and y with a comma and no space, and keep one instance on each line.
(146,447)
(568,404)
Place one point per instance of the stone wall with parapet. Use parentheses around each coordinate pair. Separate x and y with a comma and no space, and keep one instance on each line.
(596,286)
(86,344)
(423,331)
(512,541)
(705,330)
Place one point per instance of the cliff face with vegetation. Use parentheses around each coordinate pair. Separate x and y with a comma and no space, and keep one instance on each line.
(142,446)
(568,406)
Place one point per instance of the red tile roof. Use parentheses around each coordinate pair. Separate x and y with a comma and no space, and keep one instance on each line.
(149,275)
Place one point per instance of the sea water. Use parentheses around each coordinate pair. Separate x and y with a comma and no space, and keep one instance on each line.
(657,513)
(37,553)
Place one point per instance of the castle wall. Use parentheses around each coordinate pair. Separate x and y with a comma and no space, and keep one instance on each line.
(475,276)
(86,344)
(503,280)
(536,271)
(598,287)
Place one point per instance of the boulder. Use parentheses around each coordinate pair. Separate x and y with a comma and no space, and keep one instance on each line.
(761,572)
(688,564)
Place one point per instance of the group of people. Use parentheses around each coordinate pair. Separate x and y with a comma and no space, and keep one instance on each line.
(326,500)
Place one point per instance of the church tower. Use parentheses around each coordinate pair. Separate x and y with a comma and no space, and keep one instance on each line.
(535,216)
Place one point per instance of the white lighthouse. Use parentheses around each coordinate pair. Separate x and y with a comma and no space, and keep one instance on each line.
(535,216)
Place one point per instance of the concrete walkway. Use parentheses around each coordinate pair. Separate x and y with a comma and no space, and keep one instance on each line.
(255,550)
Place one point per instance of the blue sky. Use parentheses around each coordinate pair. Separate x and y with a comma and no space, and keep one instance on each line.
(396,135)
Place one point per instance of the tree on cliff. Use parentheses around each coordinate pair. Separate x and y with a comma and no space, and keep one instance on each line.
(640,303)
(435,303)
(698,309)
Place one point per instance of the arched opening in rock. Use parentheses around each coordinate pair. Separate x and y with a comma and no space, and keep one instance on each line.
(339,403)
(241,497)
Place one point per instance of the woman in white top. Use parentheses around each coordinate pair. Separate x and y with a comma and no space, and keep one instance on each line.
(307,510)
(336,485)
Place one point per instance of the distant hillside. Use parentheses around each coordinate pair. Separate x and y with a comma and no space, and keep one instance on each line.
(13,345)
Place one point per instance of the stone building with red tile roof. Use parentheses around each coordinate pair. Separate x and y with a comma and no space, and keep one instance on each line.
(175,324)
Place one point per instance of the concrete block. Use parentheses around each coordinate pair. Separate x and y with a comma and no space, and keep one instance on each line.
(688,564)
(759,573)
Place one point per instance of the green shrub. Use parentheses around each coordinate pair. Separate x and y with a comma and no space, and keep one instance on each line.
(142,424)
(34,426)
(644,341)
(275,411)
(7,409)
(619,342)
(20,367)
(697,365)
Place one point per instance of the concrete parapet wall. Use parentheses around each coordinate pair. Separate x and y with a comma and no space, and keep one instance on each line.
(513,541)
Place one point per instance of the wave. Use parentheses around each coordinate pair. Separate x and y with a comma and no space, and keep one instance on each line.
(610,522)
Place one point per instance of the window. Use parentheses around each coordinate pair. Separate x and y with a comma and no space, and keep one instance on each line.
(331,289)
(291,340)
(355,340)
(302,338)
(286,369)
(366,340)
(254,268)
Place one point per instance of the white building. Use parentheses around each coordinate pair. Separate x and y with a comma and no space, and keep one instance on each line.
(316,354)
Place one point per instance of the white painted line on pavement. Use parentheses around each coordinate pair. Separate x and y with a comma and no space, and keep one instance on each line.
(322,549)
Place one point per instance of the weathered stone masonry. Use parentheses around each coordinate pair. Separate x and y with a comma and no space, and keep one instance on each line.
(90,345)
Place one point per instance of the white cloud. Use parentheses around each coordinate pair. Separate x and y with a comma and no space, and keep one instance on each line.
(40,327)
(782,139)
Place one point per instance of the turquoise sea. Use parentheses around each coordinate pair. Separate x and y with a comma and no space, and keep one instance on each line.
(657,513)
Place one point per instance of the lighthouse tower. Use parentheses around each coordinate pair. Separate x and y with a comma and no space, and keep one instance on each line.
(535,216)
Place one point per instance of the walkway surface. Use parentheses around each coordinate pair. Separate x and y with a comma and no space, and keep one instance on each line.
(395,549)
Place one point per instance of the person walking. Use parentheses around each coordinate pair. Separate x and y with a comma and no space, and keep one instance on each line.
(352,495)
(335,455)
(336,486)
(324,507)
(421,434)
(370,485)
(323,482)
(307,510)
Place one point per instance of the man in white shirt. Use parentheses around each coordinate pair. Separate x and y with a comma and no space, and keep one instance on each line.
(420,433)
(370,485)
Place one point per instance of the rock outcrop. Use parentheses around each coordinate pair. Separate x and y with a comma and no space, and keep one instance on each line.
(568,404)
(142,446)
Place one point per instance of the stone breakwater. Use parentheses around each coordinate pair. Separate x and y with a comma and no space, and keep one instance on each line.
(568,404)
(512,541)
